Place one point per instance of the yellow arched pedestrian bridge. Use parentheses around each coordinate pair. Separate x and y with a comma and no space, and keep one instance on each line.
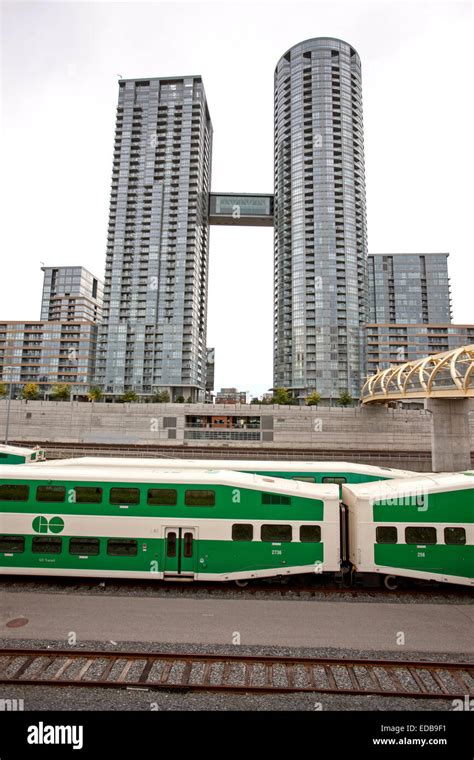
(446,375)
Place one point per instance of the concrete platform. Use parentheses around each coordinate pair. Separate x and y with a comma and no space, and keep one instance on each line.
(345,625)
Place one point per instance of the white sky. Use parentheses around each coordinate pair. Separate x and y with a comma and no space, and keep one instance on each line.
(60,65)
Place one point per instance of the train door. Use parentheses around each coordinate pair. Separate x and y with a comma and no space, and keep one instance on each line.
(180,552)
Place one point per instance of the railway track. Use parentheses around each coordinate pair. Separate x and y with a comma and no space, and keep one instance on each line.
(236,673)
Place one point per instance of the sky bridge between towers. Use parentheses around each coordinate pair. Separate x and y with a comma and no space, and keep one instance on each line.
(241,209)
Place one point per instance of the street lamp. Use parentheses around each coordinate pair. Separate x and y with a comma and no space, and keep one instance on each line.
(9,403)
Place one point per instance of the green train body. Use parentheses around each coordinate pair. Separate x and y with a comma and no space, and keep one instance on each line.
(421,527)
(194,524)
(20,455)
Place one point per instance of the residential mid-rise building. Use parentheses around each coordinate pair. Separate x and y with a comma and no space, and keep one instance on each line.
(320,249)
(71,293)
(409,287)
(231,396)
(61,347)
(389,344)
(153,334)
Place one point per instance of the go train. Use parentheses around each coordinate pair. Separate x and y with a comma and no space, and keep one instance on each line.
(20,455)
(127,521)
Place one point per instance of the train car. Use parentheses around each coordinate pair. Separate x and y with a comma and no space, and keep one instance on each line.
(310,472)
(20,455)
(414,528)
(164,523)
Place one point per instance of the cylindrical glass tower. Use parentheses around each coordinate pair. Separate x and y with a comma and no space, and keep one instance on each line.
(320,285)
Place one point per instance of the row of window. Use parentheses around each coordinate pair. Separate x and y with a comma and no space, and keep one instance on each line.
(420,535)
(91,495)
(128,547)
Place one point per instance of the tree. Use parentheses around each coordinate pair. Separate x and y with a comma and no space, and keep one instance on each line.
(129,396)
(3,390)
(30,391)
(313,399)
(189,400)
(95,393)
(180,400)
(60,392)
(256,401)
(282,396)
(161,397)
(345,399)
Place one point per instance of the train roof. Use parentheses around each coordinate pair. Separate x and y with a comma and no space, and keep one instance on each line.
(129,475)
(17,450)
(429,482)
(237,464)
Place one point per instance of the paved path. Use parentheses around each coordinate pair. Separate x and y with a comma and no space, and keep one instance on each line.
(364,626)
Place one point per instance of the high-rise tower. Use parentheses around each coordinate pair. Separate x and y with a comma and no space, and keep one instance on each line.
(153,335)
(320,220)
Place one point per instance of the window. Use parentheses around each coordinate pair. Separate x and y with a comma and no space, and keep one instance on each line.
(386,535)
(310,533)
(165,497)
(188,544)
(338,479)
(46,545)
(122,547)
(455,536)
(242,532)
(200,498)
(171,545)
(84,546)
(12,544)
(10,492)
(88,495)
(124,496)
(275,498)
(276,533)
(420,535)
(50,493)
(306,480)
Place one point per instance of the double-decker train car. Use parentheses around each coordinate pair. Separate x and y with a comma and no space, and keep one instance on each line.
(20,455)
(143,522)
(310,472)
(420,528)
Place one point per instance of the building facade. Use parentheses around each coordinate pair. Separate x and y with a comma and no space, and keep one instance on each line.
(153,334)
(231,396)
(390,344)
(71,293)
(409,287)
(61,347)
(320,243)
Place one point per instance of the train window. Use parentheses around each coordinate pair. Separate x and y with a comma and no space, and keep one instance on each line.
(9,492)
(306,480)
(13,544)
(122,547)
(88,495)
(276,533)
(242,532)
(200,498)
(171,544)
(386,535)
(188,544)
(339,480)
(455,536)
(84,546)
(124,496)
(310,533)
(164,497)
(50,493)
(46,545)
(275,498)
(421,535)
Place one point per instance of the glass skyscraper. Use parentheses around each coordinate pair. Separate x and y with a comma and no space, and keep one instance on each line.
(320,244)
(153,335)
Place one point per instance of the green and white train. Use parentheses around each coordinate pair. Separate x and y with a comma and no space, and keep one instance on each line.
(222,525)
(20,455)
